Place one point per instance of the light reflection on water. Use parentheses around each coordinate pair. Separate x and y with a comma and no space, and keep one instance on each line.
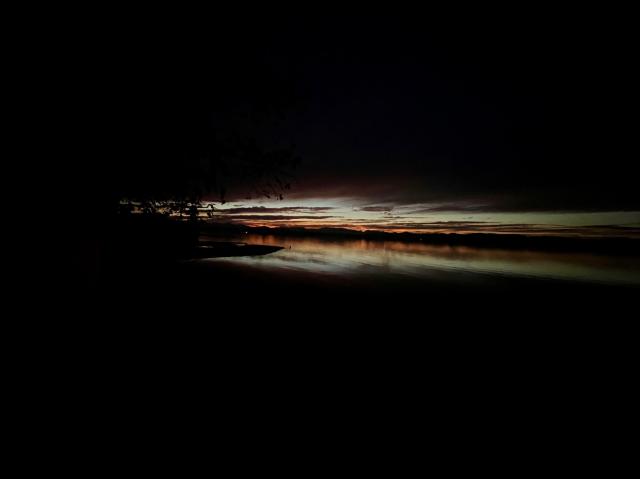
(359,256)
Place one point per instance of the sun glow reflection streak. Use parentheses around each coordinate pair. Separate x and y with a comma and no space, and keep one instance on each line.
(394,258)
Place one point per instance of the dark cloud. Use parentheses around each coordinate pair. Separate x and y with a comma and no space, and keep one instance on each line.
(376,209)
(452,208)
(439,194)
(457,223)
(274,217)
(487,227)
(410,223)
(264,209)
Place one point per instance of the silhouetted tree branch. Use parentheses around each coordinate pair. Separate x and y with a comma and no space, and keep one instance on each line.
(172,152)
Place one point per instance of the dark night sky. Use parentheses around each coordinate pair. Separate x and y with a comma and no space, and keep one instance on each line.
(523,116)
(508,111)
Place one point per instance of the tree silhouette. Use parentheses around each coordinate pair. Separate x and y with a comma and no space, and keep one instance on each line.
(208,129)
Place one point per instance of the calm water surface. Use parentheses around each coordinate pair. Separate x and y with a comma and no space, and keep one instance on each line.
(352,258)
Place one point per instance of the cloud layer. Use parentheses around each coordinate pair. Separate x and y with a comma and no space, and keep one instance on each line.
(436,218)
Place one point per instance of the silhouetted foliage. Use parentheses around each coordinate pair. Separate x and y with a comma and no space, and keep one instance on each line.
(199,127)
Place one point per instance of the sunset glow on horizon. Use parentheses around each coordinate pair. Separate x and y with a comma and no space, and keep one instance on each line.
(358,215)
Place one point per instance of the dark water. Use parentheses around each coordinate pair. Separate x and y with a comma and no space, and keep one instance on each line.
(361,259)
(434,307)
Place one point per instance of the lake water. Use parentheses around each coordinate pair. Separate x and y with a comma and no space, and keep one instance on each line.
(353,258)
